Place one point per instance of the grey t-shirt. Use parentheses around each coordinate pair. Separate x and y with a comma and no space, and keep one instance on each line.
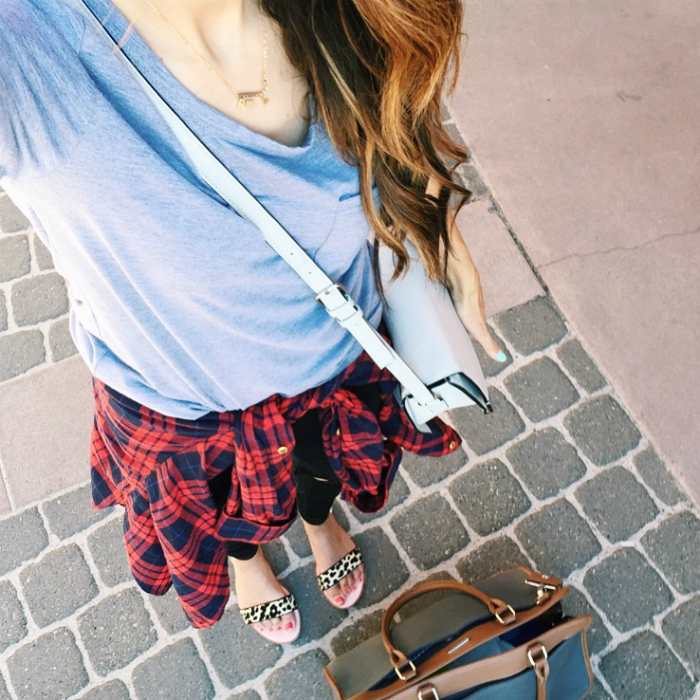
(176,301)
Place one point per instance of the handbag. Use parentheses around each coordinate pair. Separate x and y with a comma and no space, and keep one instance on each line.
(504,637)
(431,354)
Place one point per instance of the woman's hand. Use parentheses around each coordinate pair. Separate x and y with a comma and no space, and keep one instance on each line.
(464,285)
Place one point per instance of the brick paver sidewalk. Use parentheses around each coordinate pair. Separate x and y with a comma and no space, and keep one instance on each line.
(558,478)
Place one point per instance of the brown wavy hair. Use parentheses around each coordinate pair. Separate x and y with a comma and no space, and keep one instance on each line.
(377,70)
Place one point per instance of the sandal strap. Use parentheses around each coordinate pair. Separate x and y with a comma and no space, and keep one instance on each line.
(269,611)
(340,569)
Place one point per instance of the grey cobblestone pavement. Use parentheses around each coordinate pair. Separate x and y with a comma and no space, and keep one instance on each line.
(558,478)
(33,299)
(571,487)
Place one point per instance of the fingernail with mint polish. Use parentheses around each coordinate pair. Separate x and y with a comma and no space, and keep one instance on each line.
(501,357)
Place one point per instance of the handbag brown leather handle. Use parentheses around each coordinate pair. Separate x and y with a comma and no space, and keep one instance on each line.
(404,667)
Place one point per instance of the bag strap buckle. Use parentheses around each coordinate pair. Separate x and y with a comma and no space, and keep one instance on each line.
(333,298)
(427,689)
(406,671)
(503,612)
(537,656)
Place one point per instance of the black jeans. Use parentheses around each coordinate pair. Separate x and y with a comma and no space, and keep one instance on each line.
(316,482)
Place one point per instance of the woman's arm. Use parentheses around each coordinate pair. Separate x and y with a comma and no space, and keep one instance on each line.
(464,285)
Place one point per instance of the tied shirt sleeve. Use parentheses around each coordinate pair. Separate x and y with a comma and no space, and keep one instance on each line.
(43,108)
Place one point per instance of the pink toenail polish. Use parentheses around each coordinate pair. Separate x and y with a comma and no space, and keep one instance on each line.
(289,625)
(340,600)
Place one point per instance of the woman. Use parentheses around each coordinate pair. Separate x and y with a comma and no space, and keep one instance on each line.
(226,400)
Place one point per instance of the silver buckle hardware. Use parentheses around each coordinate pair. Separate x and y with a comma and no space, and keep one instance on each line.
(404,674)
(425,689)
(540,651)
(332,297)
(505,615)
(339,305)
(544,585)
(551,583)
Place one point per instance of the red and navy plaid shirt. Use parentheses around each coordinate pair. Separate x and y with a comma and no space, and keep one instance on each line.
(158,468)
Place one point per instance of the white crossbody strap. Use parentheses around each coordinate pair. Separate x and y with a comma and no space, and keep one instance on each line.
(332,296)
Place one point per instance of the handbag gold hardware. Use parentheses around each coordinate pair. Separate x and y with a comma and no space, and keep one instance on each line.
(407,677)
(428,688)
(507,619)
(542,655)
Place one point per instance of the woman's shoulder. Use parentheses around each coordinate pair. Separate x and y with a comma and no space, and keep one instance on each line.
(28,24)
(43,85)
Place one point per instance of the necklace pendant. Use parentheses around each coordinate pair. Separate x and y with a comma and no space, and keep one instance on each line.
(245,99)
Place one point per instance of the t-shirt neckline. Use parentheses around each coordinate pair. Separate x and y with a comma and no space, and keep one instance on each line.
(179,96)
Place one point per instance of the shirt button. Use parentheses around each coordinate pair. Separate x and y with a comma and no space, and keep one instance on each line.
(337,432)
(282,450)
(453,444)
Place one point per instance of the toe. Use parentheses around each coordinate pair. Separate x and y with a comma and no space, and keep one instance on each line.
(335,594)
(288,621)
(357,576)
(274,624)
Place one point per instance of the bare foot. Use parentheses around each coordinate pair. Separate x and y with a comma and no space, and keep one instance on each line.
(256,584)
(329,543)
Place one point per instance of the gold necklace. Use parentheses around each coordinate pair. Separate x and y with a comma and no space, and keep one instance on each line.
(245,99)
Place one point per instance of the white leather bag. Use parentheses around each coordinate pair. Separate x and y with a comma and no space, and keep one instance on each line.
(432,356)
(431,339)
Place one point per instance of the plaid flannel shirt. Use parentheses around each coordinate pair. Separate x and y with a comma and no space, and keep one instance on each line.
(158,467)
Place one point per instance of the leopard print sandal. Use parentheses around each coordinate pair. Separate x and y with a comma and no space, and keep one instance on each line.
(271,610)
(339,571)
